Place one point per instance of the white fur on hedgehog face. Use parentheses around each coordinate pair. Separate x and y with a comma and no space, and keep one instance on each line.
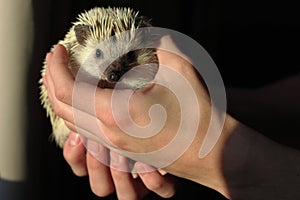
(95,57)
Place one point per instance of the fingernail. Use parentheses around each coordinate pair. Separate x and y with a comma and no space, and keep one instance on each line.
(141,168)
(162,172)
(74,139)
(134,175)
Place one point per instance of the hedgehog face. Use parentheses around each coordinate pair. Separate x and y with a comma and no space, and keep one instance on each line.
(107,46)
(108,60)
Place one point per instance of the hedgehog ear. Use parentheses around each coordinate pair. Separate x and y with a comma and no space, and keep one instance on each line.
(82,32)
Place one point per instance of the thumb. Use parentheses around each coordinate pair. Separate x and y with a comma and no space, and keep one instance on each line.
(61,76)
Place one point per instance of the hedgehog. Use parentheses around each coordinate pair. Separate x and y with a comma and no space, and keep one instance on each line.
(83,44)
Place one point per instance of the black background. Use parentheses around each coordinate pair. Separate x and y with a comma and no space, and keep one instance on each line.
(252,42)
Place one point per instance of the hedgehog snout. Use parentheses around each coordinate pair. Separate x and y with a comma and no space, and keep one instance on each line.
(114,71)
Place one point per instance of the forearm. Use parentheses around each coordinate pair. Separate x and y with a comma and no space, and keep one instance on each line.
(254,167)
(272,110)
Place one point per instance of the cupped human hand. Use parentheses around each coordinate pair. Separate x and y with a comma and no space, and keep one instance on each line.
(146,107)
(103,178)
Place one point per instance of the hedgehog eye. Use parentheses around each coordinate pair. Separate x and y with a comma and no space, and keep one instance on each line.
(131,55)
(114,76)
(98,53)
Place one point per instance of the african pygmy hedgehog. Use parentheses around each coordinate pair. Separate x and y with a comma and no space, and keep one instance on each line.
(83,45)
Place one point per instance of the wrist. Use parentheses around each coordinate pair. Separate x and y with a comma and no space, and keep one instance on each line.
(236,164)
(242,157)
(206,171)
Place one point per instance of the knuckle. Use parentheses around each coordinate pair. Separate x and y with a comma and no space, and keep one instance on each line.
(70,126)
(66,153)
(57,108)
(60,94)
(76,163)
(114,132)
(102,191)
(160,186)
(112,116)
(155,185)
(118,141)
(78,169)
(168,193)
(127,196)
(107,118)
(81,172)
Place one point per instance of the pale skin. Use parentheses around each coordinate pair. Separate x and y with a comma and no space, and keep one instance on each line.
(105,180)
(242,165)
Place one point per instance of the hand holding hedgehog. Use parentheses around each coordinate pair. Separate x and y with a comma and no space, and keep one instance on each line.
(94,27)
(232,168)
(82,43)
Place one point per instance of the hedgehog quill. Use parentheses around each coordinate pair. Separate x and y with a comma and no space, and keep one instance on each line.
(83,43)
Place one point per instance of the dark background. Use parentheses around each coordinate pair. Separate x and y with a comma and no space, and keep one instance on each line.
(252,42)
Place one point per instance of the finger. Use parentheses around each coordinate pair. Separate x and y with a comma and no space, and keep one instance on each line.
(86,97)
(60,83)
(48,60)
(172,51)
(164,186)
(76,120)
(162,172)
(62,77)
(99,174)
(74,154)
(127,188)
(72,127)
(61,109)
